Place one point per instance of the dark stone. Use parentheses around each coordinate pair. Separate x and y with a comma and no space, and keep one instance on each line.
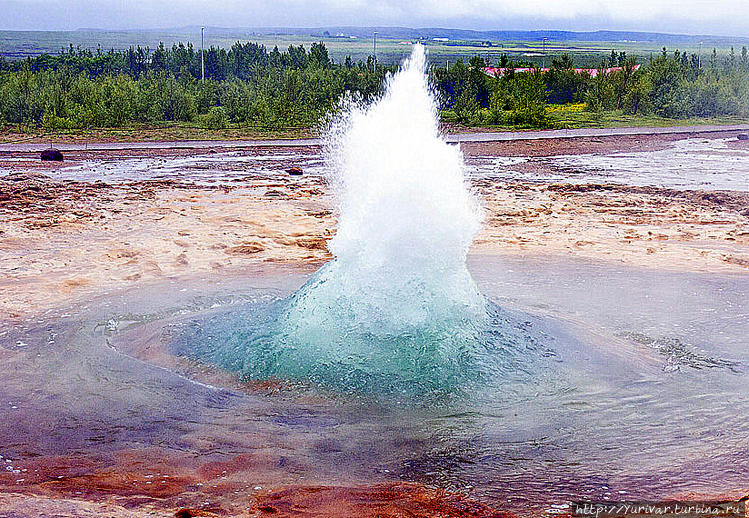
(743,136)
(294,171)
(52,155)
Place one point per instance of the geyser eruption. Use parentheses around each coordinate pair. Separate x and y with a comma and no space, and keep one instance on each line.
(396,313)
(398,297)
(405,225)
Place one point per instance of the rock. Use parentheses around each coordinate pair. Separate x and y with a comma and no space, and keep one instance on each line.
(26,176)
(312,243)
(245,249)
(187,512)
(294,171)
(743,136)
(52,155)
(737,260)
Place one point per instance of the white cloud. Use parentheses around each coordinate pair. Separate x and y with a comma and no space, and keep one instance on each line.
(654,15)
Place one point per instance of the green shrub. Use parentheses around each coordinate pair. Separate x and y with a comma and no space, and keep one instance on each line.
(529,106)
(52,122)
(215,119)
(601,93)
(668,93)
(448,116)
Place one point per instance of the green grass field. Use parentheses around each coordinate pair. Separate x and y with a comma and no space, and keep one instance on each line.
(21,44)
(564,118)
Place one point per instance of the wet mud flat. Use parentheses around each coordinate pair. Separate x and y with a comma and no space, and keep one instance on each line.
(591,145)
(116,219)
(712,163)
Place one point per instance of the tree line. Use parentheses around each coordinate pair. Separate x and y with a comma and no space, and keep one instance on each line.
(246,85)
(673,85)
(251,86)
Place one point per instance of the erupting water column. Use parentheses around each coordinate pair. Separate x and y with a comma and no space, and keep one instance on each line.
(398,299)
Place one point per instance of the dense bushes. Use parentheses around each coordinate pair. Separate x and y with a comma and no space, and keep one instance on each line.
(668,85)
(58,99)
(61,99)
(680,88)
(519,99)
(674,86)
(245,86)
(248,86)
(469,96)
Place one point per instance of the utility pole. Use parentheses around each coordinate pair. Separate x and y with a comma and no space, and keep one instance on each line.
(202,56)
(699,58)
(543,52)
(374,48)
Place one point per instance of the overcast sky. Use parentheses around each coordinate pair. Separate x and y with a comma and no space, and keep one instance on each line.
(727,17)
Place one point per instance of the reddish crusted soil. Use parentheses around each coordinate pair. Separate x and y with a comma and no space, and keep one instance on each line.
(386,500)
(725,200)
(579,145)
(145,481)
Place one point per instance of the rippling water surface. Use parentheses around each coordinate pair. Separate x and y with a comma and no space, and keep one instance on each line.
(635,384)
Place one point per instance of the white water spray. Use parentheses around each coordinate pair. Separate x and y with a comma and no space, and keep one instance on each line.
(396,313)
(407,219)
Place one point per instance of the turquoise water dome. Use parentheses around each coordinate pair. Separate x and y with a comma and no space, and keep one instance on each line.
(396,311)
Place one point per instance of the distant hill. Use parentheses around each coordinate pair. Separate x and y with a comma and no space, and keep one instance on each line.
(498,35)
(355,42)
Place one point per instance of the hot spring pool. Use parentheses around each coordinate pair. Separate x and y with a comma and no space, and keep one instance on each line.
(624,383)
